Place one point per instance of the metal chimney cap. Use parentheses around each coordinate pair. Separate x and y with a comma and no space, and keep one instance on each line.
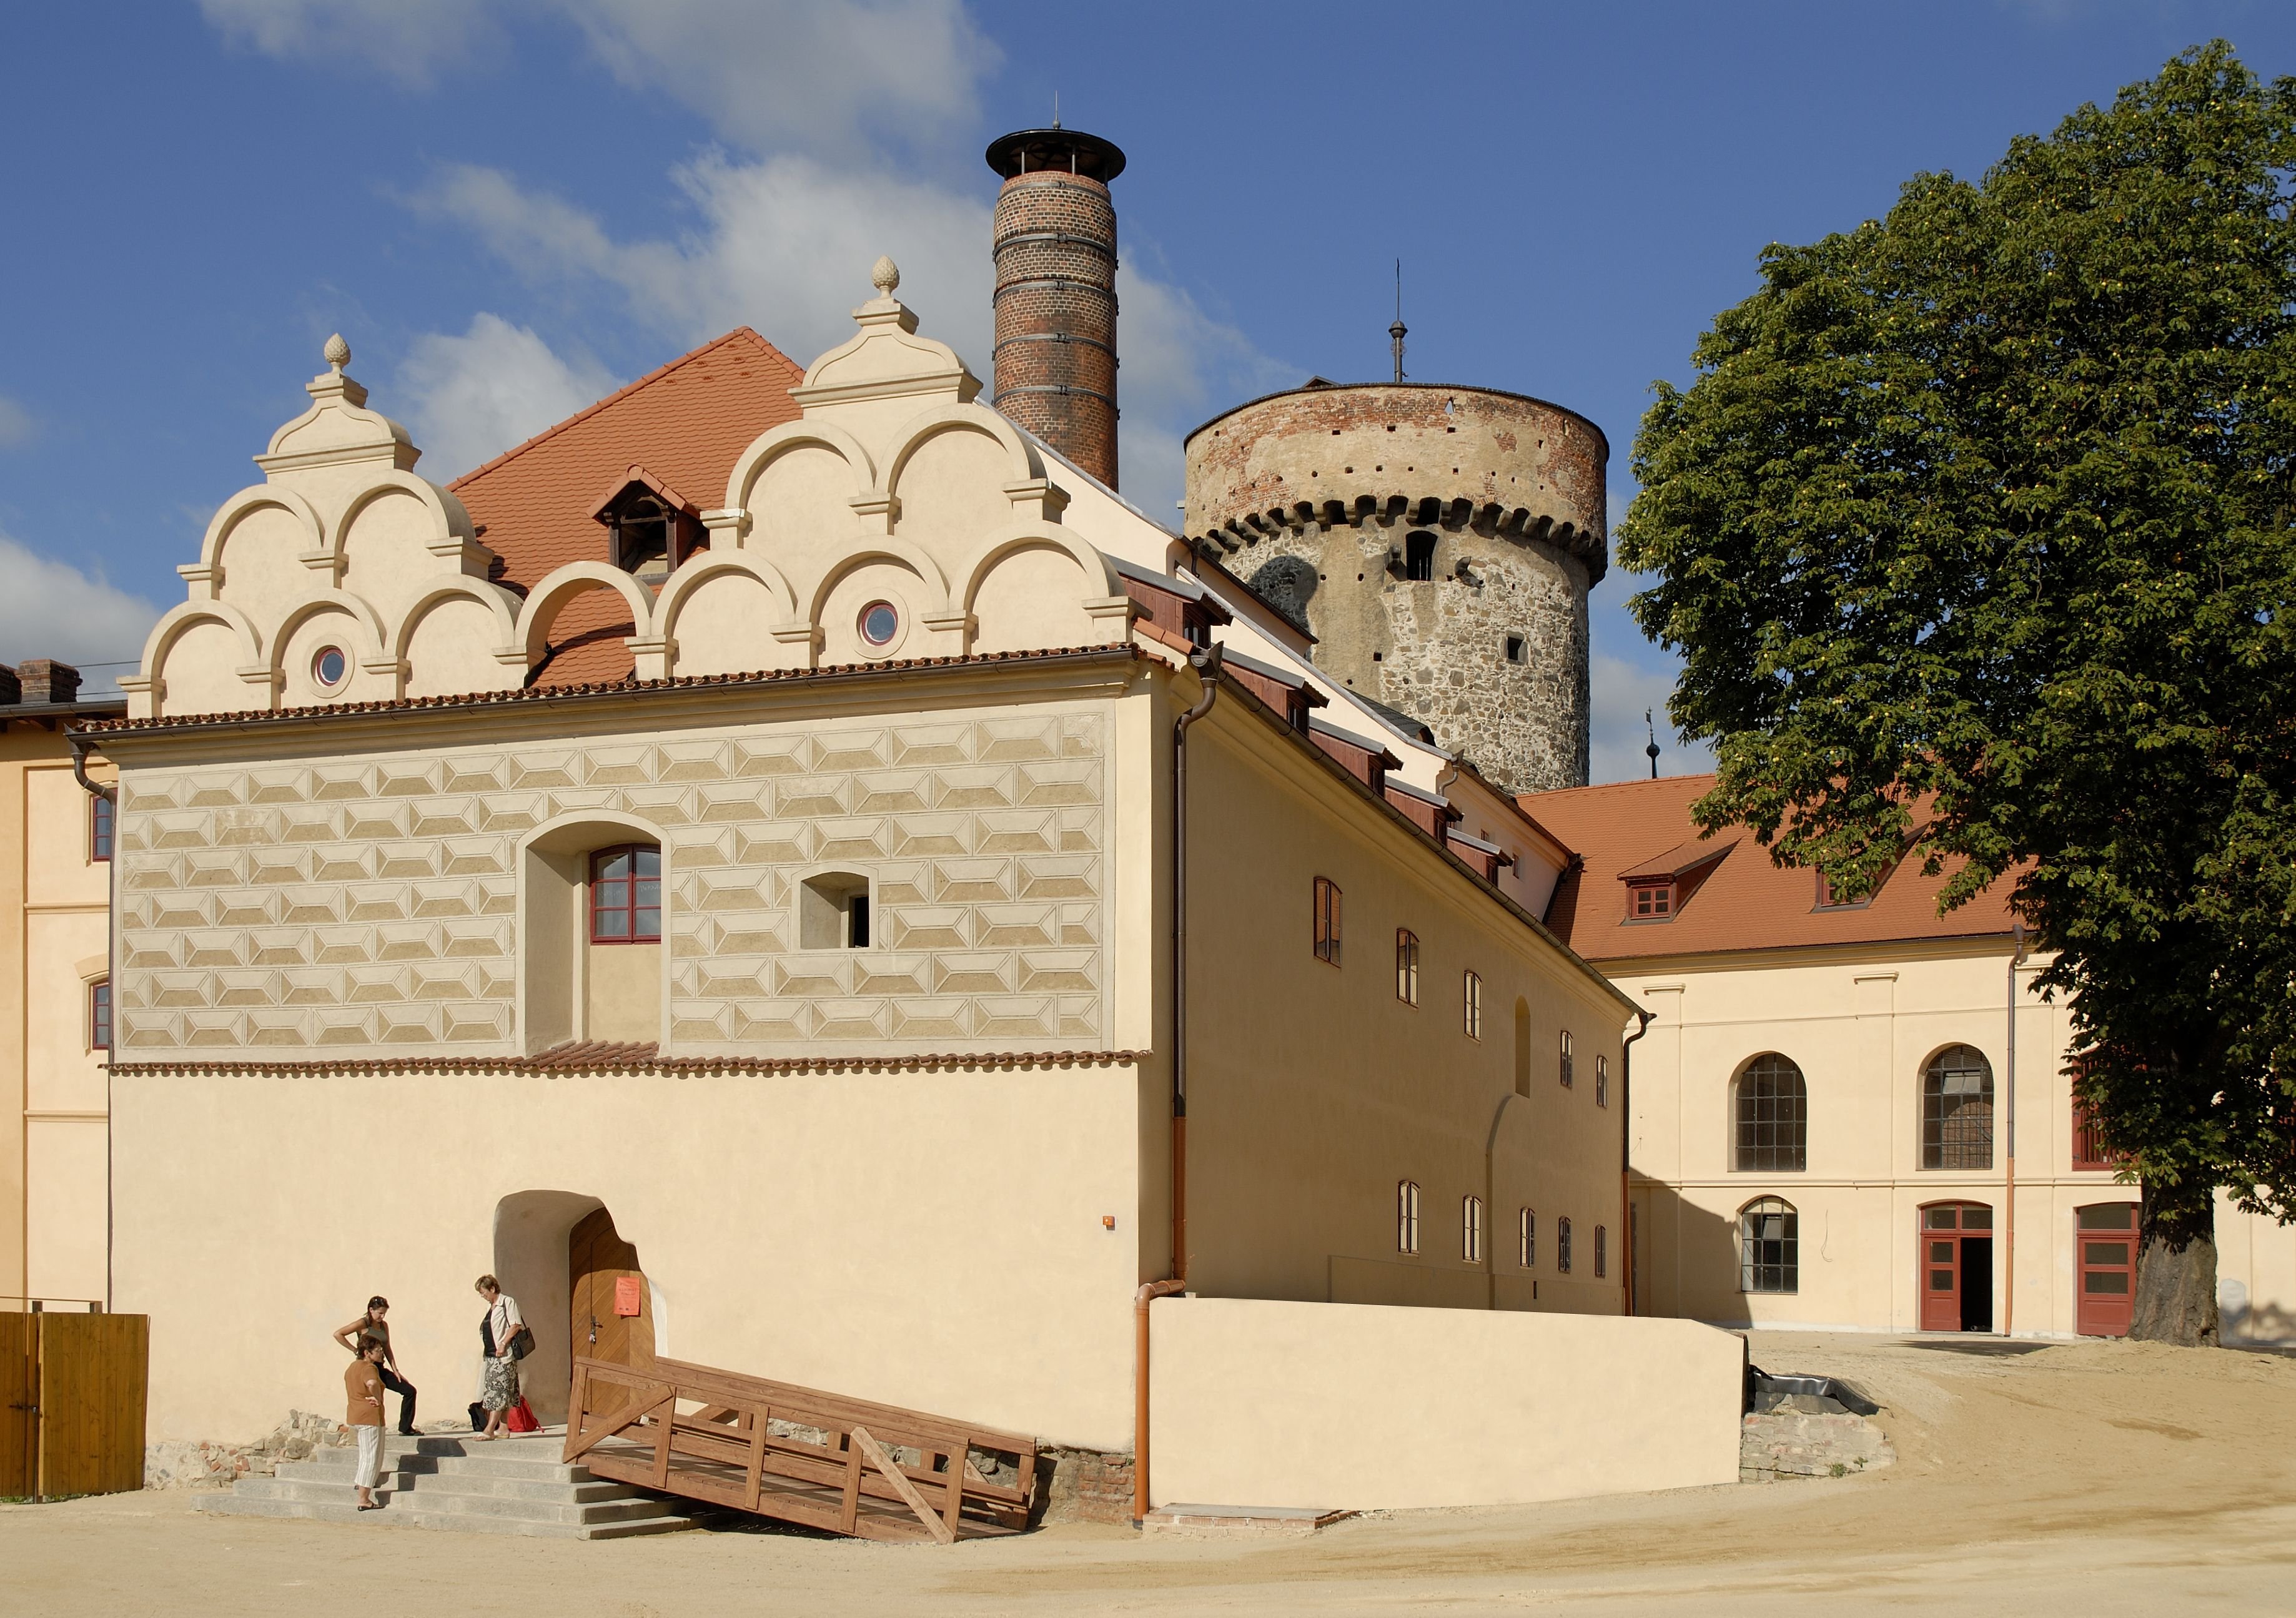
(1064,150)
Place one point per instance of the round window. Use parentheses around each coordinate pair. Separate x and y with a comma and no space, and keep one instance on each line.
(880,622)
(330,668)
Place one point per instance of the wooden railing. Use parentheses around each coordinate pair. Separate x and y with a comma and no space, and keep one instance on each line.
(796,1453)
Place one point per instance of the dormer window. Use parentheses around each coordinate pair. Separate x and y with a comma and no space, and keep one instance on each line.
(641,540)
(1651,900)
(651,526)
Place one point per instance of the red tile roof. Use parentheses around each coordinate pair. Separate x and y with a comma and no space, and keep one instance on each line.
(1744,902)
(686,423)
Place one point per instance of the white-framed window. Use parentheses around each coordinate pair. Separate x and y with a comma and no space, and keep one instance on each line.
(1601,1081)
(1568,1061)
(1474,1006)
(1525,1240)
(1406,965)
(1406,1216)
(1471,1229)
(1562,1245)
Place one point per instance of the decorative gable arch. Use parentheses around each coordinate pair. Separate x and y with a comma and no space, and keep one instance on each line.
(709,565)
(454,521)
(500,602)
(1022,460)
(772,445)
(557,588)
(246,503)
(895,550)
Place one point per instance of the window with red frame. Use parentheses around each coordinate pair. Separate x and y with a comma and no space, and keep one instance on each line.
(625,894)
(2088,1140)
(99,827)
(99,1015)
(1327,920)
(1652,901)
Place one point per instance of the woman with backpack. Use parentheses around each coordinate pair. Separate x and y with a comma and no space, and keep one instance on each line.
(500,1331)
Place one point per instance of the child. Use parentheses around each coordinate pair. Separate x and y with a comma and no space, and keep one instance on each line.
(363,1382)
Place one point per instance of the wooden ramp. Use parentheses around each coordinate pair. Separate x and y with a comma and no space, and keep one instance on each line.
(798,1454)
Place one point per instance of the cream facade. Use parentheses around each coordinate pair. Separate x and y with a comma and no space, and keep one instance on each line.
(832,954)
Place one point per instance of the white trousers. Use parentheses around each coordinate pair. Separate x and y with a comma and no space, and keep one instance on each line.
(369,1469)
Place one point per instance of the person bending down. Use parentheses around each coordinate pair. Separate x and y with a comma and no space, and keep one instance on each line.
(498,1375)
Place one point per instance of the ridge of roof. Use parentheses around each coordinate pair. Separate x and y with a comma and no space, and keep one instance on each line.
(619,394)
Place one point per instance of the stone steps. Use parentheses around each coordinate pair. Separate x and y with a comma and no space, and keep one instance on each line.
(457,1484)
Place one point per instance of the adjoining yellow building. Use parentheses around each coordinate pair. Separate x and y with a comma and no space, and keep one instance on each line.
(55,995)
(1821,1110)
(821,972)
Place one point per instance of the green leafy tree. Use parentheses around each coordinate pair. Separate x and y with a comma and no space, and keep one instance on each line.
(1974,535)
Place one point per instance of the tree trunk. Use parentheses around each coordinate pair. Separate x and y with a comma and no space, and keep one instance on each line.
(2177,1267)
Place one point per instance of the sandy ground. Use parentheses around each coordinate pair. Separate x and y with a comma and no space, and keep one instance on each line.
(2089,1478)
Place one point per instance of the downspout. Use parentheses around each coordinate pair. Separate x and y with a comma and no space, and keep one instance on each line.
(1626,1150)
(80,744)
(2009,1246)
(1205,662)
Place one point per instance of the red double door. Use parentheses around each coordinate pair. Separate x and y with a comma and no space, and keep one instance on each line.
(1956,1260)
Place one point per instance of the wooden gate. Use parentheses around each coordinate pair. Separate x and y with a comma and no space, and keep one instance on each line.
(1957,1267)
(609,1304)
(74,1386)
(2107,1234)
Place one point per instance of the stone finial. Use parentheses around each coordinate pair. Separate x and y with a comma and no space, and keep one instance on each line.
(337,353)
(885,276)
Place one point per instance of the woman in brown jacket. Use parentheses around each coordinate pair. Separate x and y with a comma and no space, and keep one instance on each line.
(363,1386)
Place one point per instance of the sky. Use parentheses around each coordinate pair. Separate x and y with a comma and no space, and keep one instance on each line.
(510,207)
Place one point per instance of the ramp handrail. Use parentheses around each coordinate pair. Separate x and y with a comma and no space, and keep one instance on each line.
(796,1453)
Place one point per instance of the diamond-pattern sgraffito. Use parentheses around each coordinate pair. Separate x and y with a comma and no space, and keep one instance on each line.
(370,907)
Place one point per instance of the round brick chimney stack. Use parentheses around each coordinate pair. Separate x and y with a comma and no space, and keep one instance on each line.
(1055,240)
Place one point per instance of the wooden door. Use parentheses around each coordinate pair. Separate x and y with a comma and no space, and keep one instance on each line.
(2106,1232)
(604,1280)
(1955,1237)
(93,1373)
(18,1386)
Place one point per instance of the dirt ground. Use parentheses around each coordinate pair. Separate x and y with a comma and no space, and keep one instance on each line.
(2089,1478)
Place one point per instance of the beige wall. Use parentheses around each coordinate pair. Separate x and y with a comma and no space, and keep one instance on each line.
(932,1239)
(54,1176)
(1313,1090)
(1340,1407)
(1862,1024)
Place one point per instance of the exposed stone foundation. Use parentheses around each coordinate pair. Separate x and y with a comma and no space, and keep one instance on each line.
(198,1463)
(1810,1437)
(1087,1486)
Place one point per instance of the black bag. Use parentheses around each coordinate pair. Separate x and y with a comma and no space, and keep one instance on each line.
(478,1417)
(521,1341)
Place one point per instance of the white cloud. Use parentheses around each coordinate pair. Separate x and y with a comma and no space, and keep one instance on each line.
(1623,692)
(16,423)
(807,73)
(468,398)
(53,610)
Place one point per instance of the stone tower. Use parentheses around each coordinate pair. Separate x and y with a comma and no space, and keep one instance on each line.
(1438,542)
(1055,240)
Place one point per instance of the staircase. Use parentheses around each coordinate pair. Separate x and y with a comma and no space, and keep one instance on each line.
(508,1485)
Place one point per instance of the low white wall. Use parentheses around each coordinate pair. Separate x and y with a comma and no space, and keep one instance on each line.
(1345,1406)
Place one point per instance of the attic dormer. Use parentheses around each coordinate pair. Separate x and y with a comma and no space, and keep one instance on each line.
(651,527)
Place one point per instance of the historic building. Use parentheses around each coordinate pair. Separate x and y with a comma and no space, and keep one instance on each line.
(56,994)
(1824,1111)
(763,873)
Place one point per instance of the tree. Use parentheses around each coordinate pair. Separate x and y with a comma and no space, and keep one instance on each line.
(1975,533)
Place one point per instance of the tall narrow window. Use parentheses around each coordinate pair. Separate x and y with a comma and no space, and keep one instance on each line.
(1406,1216)
(1568,1061)
(1327,920)
(1474,1007)
(1522,1047)
(1772,1111)
(1770,1246)
(1406,965)
(1957,1110)
(625,894)
(1563,1245)
(1471,1229)
(99,1015)
(1419,556)
(2088,1139)
(1601,1081)
(1525,1240)
(1602,1252)
(100,811)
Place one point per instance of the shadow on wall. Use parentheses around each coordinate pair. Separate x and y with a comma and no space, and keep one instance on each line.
(1686,1259)
(2266,1325)
(530,1260)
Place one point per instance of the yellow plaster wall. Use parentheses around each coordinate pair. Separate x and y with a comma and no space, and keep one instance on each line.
(1313,1090)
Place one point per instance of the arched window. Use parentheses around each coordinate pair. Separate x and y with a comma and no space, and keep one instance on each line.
(1770,1246)
(1569,1060)
(1406,965)
(1957,1110)
(1474,1006)
(1471,1229)
(1601,1081)
(1773,1117)
(1563,1245)
(625,894)
(832,912)
(1406,1216)
(1602,1251)
(1526,1238)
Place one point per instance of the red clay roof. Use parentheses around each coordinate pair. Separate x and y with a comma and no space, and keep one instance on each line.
(1744,902)
(684,424)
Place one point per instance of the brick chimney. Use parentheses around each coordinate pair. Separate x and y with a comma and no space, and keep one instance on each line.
(1054,242)
(45,680)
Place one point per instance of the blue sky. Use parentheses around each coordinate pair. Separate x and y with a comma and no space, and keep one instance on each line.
(509,207)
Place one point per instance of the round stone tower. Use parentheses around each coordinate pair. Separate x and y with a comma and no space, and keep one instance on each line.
(1437,542)
(1055,240)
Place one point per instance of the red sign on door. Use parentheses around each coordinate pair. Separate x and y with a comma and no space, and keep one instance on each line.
(628,1296)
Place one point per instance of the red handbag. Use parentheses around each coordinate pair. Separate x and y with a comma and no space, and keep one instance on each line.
(520,1419)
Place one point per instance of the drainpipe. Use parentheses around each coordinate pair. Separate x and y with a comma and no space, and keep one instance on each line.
(1626,1148)
(1205,662)
(2009,1246)
(80,744)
